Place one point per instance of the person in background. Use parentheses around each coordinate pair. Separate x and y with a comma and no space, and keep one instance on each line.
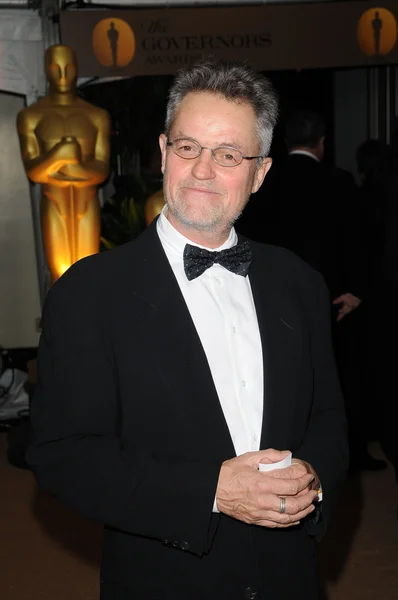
(314,211)
(372,159)
(384,319)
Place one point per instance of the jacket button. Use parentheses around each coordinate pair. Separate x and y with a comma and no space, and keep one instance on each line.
(184,546)
(175,544)
(250,594)
(167,542)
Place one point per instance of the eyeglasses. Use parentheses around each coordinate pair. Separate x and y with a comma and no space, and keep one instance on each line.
(222,155)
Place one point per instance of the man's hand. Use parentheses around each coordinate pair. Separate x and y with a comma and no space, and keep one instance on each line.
(307,468)
(251,496)
(348,302)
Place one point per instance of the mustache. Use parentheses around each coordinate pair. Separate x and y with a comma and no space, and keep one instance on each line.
(195,186)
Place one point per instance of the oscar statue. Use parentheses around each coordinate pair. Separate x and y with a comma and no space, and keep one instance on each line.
(153,206)
(64,144)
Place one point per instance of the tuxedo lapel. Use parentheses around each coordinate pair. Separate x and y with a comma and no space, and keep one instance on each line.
(169,335)
(280,331)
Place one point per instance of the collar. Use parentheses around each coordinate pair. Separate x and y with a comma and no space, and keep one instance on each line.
(175,242)
(305,153)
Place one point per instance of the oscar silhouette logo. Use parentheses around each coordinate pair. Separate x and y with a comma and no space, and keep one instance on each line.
(113,43)
(377,32)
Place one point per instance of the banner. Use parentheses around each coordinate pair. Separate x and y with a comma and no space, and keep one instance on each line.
(270,37)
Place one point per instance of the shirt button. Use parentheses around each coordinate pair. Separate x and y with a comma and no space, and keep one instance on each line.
(233,329)
(184,546)
(243,383)
(217,280)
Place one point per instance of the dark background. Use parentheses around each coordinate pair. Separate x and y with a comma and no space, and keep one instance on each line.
(138,106)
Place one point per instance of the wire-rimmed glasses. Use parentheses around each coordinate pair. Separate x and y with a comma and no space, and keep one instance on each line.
(226,156)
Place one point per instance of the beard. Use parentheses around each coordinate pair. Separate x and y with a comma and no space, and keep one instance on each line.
(209,216)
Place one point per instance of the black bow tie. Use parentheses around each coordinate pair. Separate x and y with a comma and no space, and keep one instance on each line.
(236,259)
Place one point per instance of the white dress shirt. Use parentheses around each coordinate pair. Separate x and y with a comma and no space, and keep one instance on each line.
(222,309)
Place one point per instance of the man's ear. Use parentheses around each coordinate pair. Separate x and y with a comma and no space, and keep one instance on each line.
(163,150)
(260,174)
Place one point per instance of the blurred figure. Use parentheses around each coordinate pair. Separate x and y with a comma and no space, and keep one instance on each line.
(316,211)
(315,214)
(153,206)
(372,163)
(323,228)
(390,259)
(385,307)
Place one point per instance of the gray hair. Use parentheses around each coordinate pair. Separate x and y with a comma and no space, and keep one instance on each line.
(235,81)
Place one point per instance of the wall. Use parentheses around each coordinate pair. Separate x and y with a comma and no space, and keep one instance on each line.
(351,115)
(19,297)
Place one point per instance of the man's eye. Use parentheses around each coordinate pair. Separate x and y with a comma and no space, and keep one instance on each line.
(185,149)
(229,157)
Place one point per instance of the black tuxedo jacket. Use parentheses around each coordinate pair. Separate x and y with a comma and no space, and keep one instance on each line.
(129,431)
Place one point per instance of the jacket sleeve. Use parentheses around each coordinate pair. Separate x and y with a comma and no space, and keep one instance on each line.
(325,445)
(75,450)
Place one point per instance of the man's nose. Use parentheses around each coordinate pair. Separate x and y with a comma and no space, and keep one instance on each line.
(204,165)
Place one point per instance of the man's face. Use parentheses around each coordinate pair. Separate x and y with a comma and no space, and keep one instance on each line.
(61,69)
(201,194)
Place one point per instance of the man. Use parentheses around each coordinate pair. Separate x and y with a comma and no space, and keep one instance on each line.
(316,210)
(308,208)
(166,379)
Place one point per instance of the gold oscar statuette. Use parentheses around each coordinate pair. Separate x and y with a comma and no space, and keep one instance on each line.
(153,206)
(65,147)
